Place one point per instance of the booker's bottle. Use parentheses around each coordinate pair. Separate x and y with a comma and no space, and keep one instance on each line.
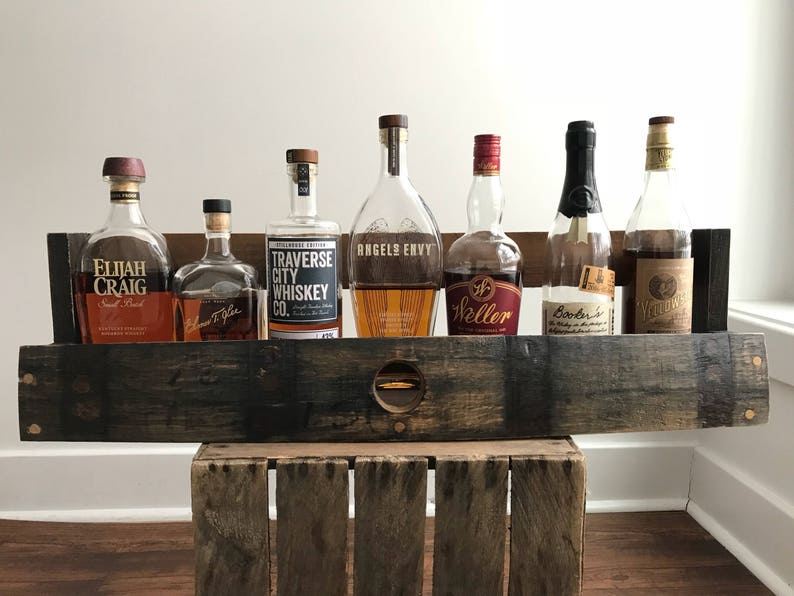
(123,279)
(482,269)
(395,248)
(304,295)
(217,297)
(578,284)
(658,245)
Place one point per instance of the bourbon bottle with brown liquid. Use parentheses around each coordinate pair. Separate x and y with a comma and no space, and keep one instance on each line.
(123,279)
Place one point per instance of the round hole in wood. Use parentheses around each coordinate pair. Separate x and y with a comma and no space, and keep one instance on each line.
(398,387)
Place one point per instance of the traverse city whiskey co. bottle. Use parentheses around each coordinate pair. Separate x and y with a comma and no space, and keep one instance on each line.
(482,269)
(216,297)
(578,285)
(658,244)
(123,278)
(395,248)
(304,294)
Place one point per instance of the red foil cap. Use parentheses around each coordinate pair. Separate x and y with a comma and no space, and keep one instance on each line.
(123,166)
(487,150)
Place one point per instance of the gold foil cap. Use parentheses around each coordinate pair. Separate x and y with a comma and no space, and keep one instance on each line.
(659,149)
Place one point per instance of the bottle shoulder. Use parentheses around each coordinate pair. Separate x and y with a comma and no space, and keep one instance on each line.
(129,244)
(394,206)
(303,226)
(483,251)
(215,278)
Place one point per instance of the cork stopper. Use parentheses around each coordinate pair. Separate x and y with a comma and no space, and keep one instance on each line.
(217,215)
(393,121)
(659,146)
(123,166)
(302,156)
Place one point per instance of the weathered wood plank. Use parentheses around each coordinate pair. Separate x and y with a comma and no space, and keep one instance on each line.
(311,534)
(230,524)
(711,251)
(477,388)
(471,504)
(547,525)
(391,494)
(62,252)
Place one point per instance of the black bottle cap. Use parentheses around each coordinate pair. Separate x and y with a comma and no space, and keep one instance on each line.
(217,206)
(661,120)
(581,134)
(393,120)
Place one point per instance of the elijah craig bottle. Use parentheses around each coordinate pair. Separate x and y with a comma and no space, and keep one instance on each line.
(123,277)
(395,248)
(658,245)
(578,284)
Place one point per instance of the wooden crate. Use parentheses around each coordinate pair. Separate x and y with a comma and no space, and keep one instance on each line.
(232,532)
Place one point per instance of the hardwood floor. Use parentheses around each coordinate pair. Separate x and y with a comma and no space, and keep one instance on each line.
(625,553)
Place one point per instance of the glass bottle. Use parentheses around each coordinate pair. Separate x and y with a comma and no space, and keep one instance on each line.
(482,268)
(658,245)
(578,284)
(216,297)
(123,279)
(304,291)
(395,248)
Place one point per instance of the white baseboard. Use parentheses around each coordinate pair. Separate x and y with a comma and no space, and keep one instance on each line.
(755,525)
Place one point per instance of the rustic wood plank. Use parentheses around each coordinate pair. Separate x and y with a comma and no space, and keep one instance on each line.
(311,508)
(230,521)
(277,390)
(547,525)
(711,251)
(62,252)
(471,503)
(391,495)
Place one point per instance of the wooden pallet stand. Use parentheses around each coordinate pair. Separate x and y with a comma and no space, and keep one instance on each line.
(476,409)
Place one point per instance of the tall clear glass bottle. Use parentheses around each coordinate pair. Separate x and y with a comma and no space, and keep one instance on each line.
(395,248)
(578,284)
(304,294)
(216,297)
(658,245)
(122,284)
(482,268)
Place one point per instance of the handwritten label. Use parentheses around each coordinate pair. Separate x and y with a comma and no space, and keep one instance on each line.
(577,318)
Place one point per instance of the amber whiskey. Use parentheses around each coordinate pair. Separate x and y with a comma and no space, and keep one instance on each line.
(216,297)
(123,277)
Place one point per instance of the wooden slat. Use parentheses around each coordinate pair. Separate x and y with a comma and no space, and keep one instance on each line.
(63,251)
(311,508)
(391,495)
(471,503)
(547,525)
(230,522)
(477,388)
(711,251)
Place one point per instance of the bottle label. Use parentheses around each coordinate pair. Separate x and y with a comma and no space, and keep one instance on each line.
(486,165)
(124,195)
(597,280)
(401,258)
(330,333)
(393,145)
(482,305)
(658,158)
(663,299)
(302,280)
(578,318)
(217,318)
(304,186)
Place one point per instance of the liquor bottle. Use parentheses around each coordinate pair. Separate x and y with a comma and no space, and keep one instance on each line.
(395,248)
(123,277)
(304,294)
(482,268)
(216,297)
(578,284)
(658,245)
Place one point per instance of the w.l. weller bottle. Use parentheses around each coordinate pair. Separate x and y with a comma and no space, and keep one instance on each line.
(395,248)
(482,269)
(578,284)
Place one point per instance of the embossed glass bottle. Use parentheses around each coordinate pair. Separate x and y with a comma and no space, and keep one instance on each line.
(216,297)
(395,248)
(578,284)
(482,269)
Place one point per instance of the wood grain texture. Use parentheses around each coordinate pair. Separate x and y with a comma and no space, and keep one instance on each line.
(311,508)
(63,252)
(711,251)
(477,388)
(471,503)
(230,521)
(547,524)
(391,496)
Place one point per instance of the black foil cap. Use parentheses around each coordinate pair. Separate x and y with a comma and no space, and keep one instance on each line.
(581,135)
(217,206)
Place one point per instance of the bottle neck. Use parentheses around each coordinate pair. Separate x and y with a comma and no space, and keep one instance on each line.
(579,191)
(125,205)
(393,152)
(485,204)
(303,190)
(218,232)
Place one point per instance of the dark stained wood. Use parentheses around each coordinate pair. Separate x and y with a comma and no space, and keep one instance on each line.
(63,250)
(471,503)
(625,553)
(230,521)
(547,524)
(711,251)
(391,497)
(477,388)
(312,511)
